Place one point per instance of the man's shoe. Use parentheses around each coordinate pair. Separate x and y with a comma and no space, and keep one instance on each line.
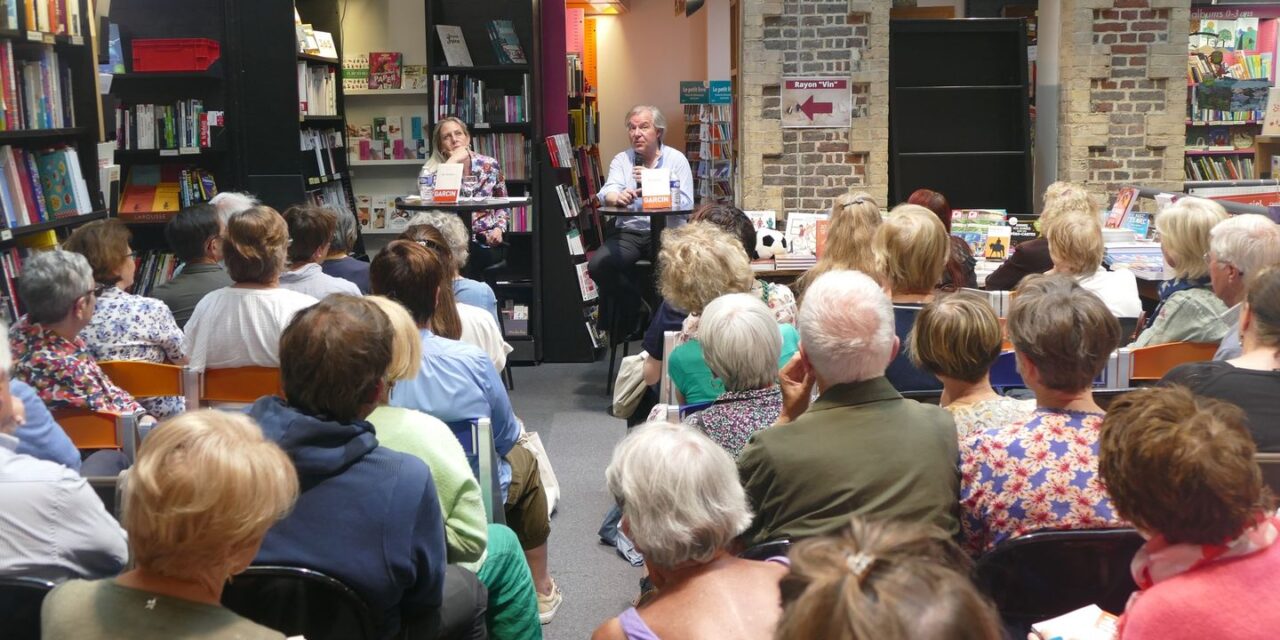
(550,603)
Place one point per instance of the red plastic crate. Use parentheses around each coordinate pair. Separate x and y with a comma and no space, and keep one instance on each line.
(174,54)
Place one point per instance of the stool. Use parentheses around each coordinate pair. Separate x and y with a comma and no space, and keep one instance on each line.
(620,327)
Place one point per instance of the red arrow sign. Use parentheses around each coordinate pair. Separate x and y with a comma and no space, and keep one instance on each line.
(811,108)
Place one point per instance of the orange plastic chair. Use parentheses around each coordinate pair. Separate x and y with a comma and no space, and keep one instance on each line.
(1151,363)
(240,384)
(90,429)
(145,379)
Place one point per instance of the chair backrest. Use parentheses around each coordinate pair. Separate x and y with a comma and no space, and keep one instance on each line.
(476,438)
(1104,396)
(89,429)
(20,600)
(110,490)
(145,379)
(299,602)
(1151,363)
(690,409)
(1115,375)
(1045,574)
(1270,465)
(1004,373)
(928,396)
(665,390)
(239,384)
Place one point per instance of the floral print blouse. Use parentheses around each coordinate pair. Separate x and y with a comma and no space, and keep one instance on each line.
(129,327)
(492,185)
(735,415)
(987,414)
(63,372)
(1041,473)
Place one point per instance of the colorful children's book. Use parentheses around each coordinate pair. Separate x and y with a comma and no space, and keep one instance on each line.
(506,44)
(763,219)
(1125,199)
(802,232)
(55,177)
(385,70)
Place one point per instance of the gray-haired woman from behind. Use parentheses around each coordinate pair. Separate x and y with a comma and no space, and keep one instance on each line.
(683,506)
(339,262)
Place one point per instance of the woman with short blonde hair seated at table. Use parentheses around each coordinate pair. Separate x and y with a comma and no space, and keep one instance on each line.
(1188,311)
(205,489)
(1076,248)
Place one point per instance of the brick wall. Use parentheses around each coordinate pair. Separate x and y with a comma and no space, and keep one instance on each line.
(1123,64)
(804,169)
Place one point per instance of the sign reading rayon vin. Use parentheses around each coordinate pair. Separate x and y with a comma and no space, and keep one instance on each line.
(816,102)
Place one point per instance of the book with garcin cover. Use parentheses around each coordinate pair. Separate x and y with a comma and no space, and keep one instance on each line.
(655,188)
(454,45)
(448,183)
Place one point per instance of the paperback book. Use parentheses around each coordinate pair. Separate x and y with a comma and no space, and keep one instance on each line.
(385,70)
(506,44)
(454,45)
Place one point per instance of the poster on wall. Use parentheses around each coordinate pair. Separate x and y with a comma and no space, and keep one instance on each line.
(816,103)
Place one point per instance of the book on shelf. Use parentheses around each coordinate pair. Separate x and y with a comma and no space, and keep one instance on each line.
(1220,168)
(586,285)
(584,125)
(506,44)
(60,17)
(325,46)
(388,138)
(305,37)
(415,76)
(152,269)
(476,101)
(317,89)
(355,71)
(574,239)
(36,91)
(454,45)
(182,126)
(591,317)
(570,204)
(153,193)
(802,234)
(515,318)
(561,150)
(332,195)
(519,219)
(40,186)
(1271,117)
(509,149)
(325,146)
(385,70)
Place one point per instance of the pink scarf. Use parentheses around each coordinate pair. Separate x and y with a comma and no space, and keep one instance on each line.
(1158,560)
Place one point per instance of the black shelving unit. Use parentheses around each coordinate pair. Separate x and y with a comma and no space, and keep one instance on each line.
(519,279)
(960,124)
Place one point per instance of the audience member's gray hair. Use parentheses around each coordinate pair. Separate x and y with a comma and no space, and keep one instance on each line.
(679,492)
(846,327)
(51,283)
(450,226)
(1250,242)
(344,232)
(229,203)
(659,120)
(740,341)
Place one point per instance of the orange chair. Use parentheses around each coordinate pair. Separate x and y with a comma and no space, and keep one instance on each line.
(1151,363)
(90,429)
(145,379)
(240,384)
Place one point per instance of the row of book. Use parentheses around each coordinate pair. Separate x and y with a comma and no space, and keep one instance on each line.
(471,100)
(61,17)
(570,202)
(511,150)
(35,92)
(1214,115)
(332,195)
(519,220)
(584,125)
(708,132)
(317,89)
(323,148)
(10,271)
(182,125)
(39,186)
(153,193)
(1220,168)
(1237,65)
(381,71)
(573,69)
(152,269)
(378,214)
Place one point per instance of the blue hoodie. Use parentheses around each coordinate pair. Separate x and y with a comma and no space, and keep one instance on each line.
(367,515)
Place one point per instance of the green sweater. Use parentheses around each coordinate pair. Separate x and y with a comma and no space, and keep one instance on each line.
(430,440)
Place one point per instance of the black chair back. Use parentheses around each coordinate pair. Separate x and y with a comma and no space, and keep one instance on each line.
(1104,396)
(1270,465)
(931,396)
(299,602)
(1045,574)
(20,600)
(766,550)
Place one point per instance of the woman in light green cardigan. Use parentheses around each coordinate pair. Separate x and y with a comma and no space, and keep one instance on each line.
(1188,310)
(491,550)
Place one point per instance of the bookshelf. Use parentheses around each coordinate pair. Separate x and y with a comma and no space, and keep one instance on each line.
(709,148)
(1232,51)
(956,123)
(63,57)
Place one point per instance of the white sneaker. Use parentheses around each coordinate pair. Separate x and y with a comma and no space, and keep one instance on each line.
(550,603)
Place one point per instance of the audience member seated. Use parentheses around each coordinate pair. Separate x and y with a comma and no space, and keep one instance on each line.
(1188,311)
(204,491)
(1041,472)
(39,436)
(240,325)
(957,338)
(1032,256)
(455,382)
(492,551)
(465,290)
(911,250)
(1182,470)
(699,263)
(740,342)
(339,262)
(1251,381)
(475,325)
(52,524)
(311,230)
(861,449)
(195,237)
(959,272)
(125,326)
(334,358)
(1075,245)
(682,506)
(853,221)
(883,579)
(229,203)
(737,224)
(58,292)
(1239,248)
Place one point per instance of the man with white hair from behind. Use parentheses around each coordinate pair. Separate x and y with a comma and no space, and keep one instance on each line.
(232,202)
(1239,247)
(861,448)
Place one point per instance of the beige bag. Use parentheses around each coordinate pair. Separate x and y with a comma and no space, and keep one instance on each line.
(550,485)
(628,389)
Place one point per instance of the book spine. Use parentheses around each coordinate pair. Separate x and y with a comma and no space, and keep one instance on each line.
(37,192)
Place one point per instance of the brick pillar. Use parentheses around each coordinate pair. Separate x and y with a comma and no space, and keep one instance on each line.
(804,169)
(1123,100)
